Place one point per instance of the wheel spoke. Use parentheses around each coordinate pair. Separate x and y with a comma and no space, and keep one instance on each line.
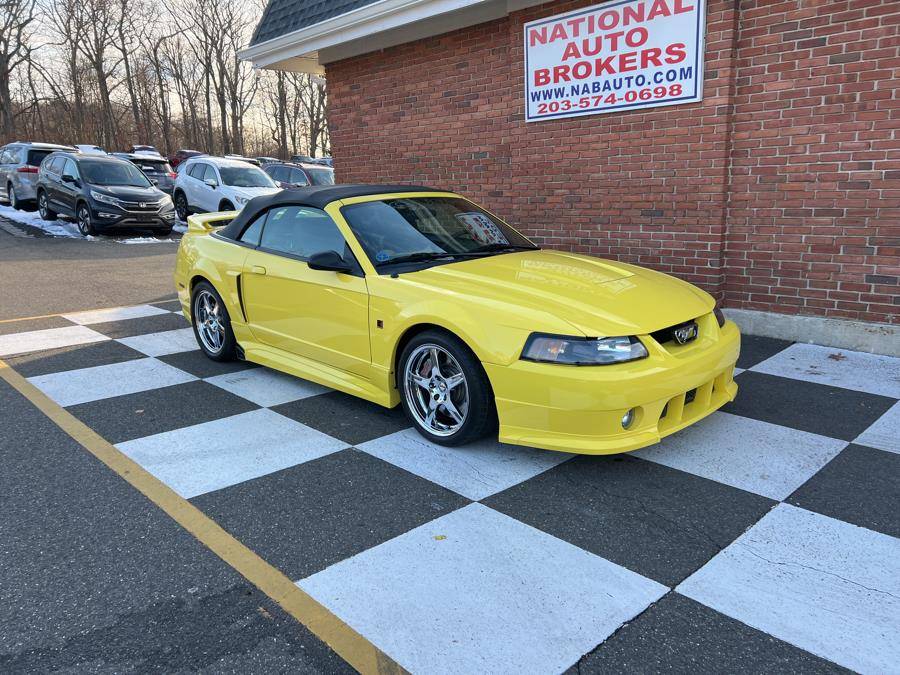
(435,362)
(451,410)
(421,381)
(454,381)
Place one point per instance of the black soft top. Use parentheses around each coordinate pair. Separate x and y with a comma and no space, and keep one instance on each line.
(315,196)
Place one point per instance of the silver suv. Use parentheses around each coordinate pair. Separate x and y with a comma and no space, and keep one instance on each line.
(19,164)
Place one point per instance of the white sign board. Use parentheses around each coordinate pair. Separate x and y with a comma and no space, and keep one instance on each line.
(619,55)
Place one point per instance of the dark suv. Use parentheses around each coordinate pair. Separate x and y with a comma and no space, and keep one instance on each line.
(292,174)
(101,192)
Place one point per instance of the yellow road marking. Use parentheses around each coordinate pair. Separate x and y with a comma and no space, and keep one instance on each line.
(346,642)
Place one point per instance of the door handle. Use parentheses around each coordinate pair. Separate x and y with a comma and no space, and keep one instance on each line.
(258,269)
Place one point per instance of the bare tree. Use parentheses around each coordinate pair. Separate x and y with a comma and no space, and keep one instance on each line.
(15,18)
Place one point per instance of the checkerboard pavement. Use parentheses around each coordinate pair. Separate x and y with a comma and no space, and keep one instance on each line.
(765,538)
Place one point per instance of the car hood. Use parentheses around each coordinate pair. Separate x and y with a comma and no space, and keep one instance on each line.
(597,297)
(251,192)
(128,193)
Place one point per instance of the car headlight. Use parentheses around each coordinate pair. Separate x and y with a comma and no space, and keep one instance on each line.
(165,202)
(241,200)
(105,199)
(720,317)
(579,351)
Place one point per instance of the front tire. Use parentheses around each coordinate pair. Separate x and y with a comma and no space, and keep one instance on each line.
(226,205)
(211,323)
(181,206)
(83,218)
(444,390)
(44,207)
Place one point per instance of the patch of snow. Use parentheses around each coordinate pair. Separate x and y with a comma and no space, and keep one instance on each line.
(57,228)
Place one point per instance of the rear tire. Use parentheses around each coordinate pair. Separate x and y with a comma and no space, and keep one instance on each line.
(212,324)
(13,198)
(449,402)
(44,207)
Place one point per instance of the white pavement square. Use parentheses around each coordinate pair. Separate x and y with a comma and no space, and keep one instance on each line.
(476,470)
(114,314)
(92,384)
(884,434)
(213,455)
(824,585)
(164,343)
(49,338)
(752,455)
(870,373)
(267,387)
(476,591)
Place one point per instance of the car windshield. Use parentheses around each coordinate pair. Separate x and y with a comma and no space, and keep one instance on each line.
(422,228)
(321,176)
(245,176)
(113,173)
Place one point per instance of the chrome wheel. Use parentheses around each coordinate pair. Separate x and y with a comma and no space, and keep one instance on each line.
(436,390)
(84,221)
(208,318)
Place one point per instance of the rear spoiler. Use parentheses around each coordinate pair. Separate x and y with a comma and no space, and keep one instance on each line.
(206,222)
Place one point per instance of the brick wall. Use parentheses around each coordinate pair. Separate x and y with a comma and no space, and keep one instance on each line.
(779,191)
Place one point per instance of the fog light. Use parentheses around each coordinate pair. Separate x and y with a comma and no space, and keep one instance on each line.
(627,419)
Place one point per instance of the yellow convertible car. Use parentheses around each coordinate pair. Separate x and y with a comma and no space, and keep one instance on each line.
(418,297)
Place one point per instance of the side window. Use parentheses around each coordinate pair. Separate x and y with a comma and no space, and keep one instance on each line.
(279,173)
(251,234)
(301,231)
(56,165)
(210,173)
(196,170)
(5,157)
(298,177)
(71,169)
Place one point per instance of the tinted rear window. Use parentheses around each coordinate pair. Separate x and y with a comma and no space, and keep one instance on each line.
(153,167)
(35,157)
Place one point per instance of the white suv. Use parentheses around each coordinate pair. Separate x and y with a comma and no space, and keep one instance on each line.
(208,184)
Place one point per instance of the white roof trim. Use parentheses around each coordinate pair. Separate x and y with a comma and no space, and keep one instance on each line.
(358,23)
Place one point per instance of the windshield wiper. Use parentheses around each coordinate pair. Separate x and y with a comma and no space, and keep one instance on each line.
(492,248)
(419,256)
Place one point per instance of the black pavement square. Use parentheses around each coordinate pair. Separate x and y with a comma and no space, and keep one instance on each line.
(659,522)
(315,514)
(199,365)
(818,408)
(171,305)
(756,349)
(28,325)
(679,635)
(124,418)
(141,326)
(74,357)
(345,417)
(860,486)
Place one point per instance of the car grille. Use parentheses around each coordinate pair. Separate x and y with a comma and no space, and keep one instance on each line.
(665,335)
(141,207)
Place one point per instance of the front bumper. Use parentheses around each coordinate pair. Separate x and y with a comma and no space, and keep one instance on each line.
(111,216)
(580,409)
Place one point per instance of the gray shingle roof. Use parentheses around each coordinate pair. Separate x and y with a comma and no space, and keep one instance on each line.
(285,16)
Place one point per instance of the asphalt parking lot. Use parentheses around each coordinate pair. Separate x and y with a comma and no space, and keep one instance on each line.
(166,512)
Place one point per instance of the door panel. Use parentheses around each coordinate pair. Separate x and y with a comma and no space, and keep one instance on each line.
(315,314)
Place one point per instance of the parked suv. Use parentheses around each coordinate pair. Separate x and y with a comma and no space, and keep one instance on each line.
(295,174)
(101,192)
(157,169)
(19,164)
(207,184)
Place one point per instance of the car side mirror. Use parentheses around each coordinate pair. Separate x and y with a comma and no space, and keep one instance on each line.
(68,178)
(154,182)
(329,261)
(212,182)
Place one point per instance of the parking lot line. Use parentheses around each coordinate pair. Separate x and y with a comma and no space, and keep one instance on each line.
(344,640)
